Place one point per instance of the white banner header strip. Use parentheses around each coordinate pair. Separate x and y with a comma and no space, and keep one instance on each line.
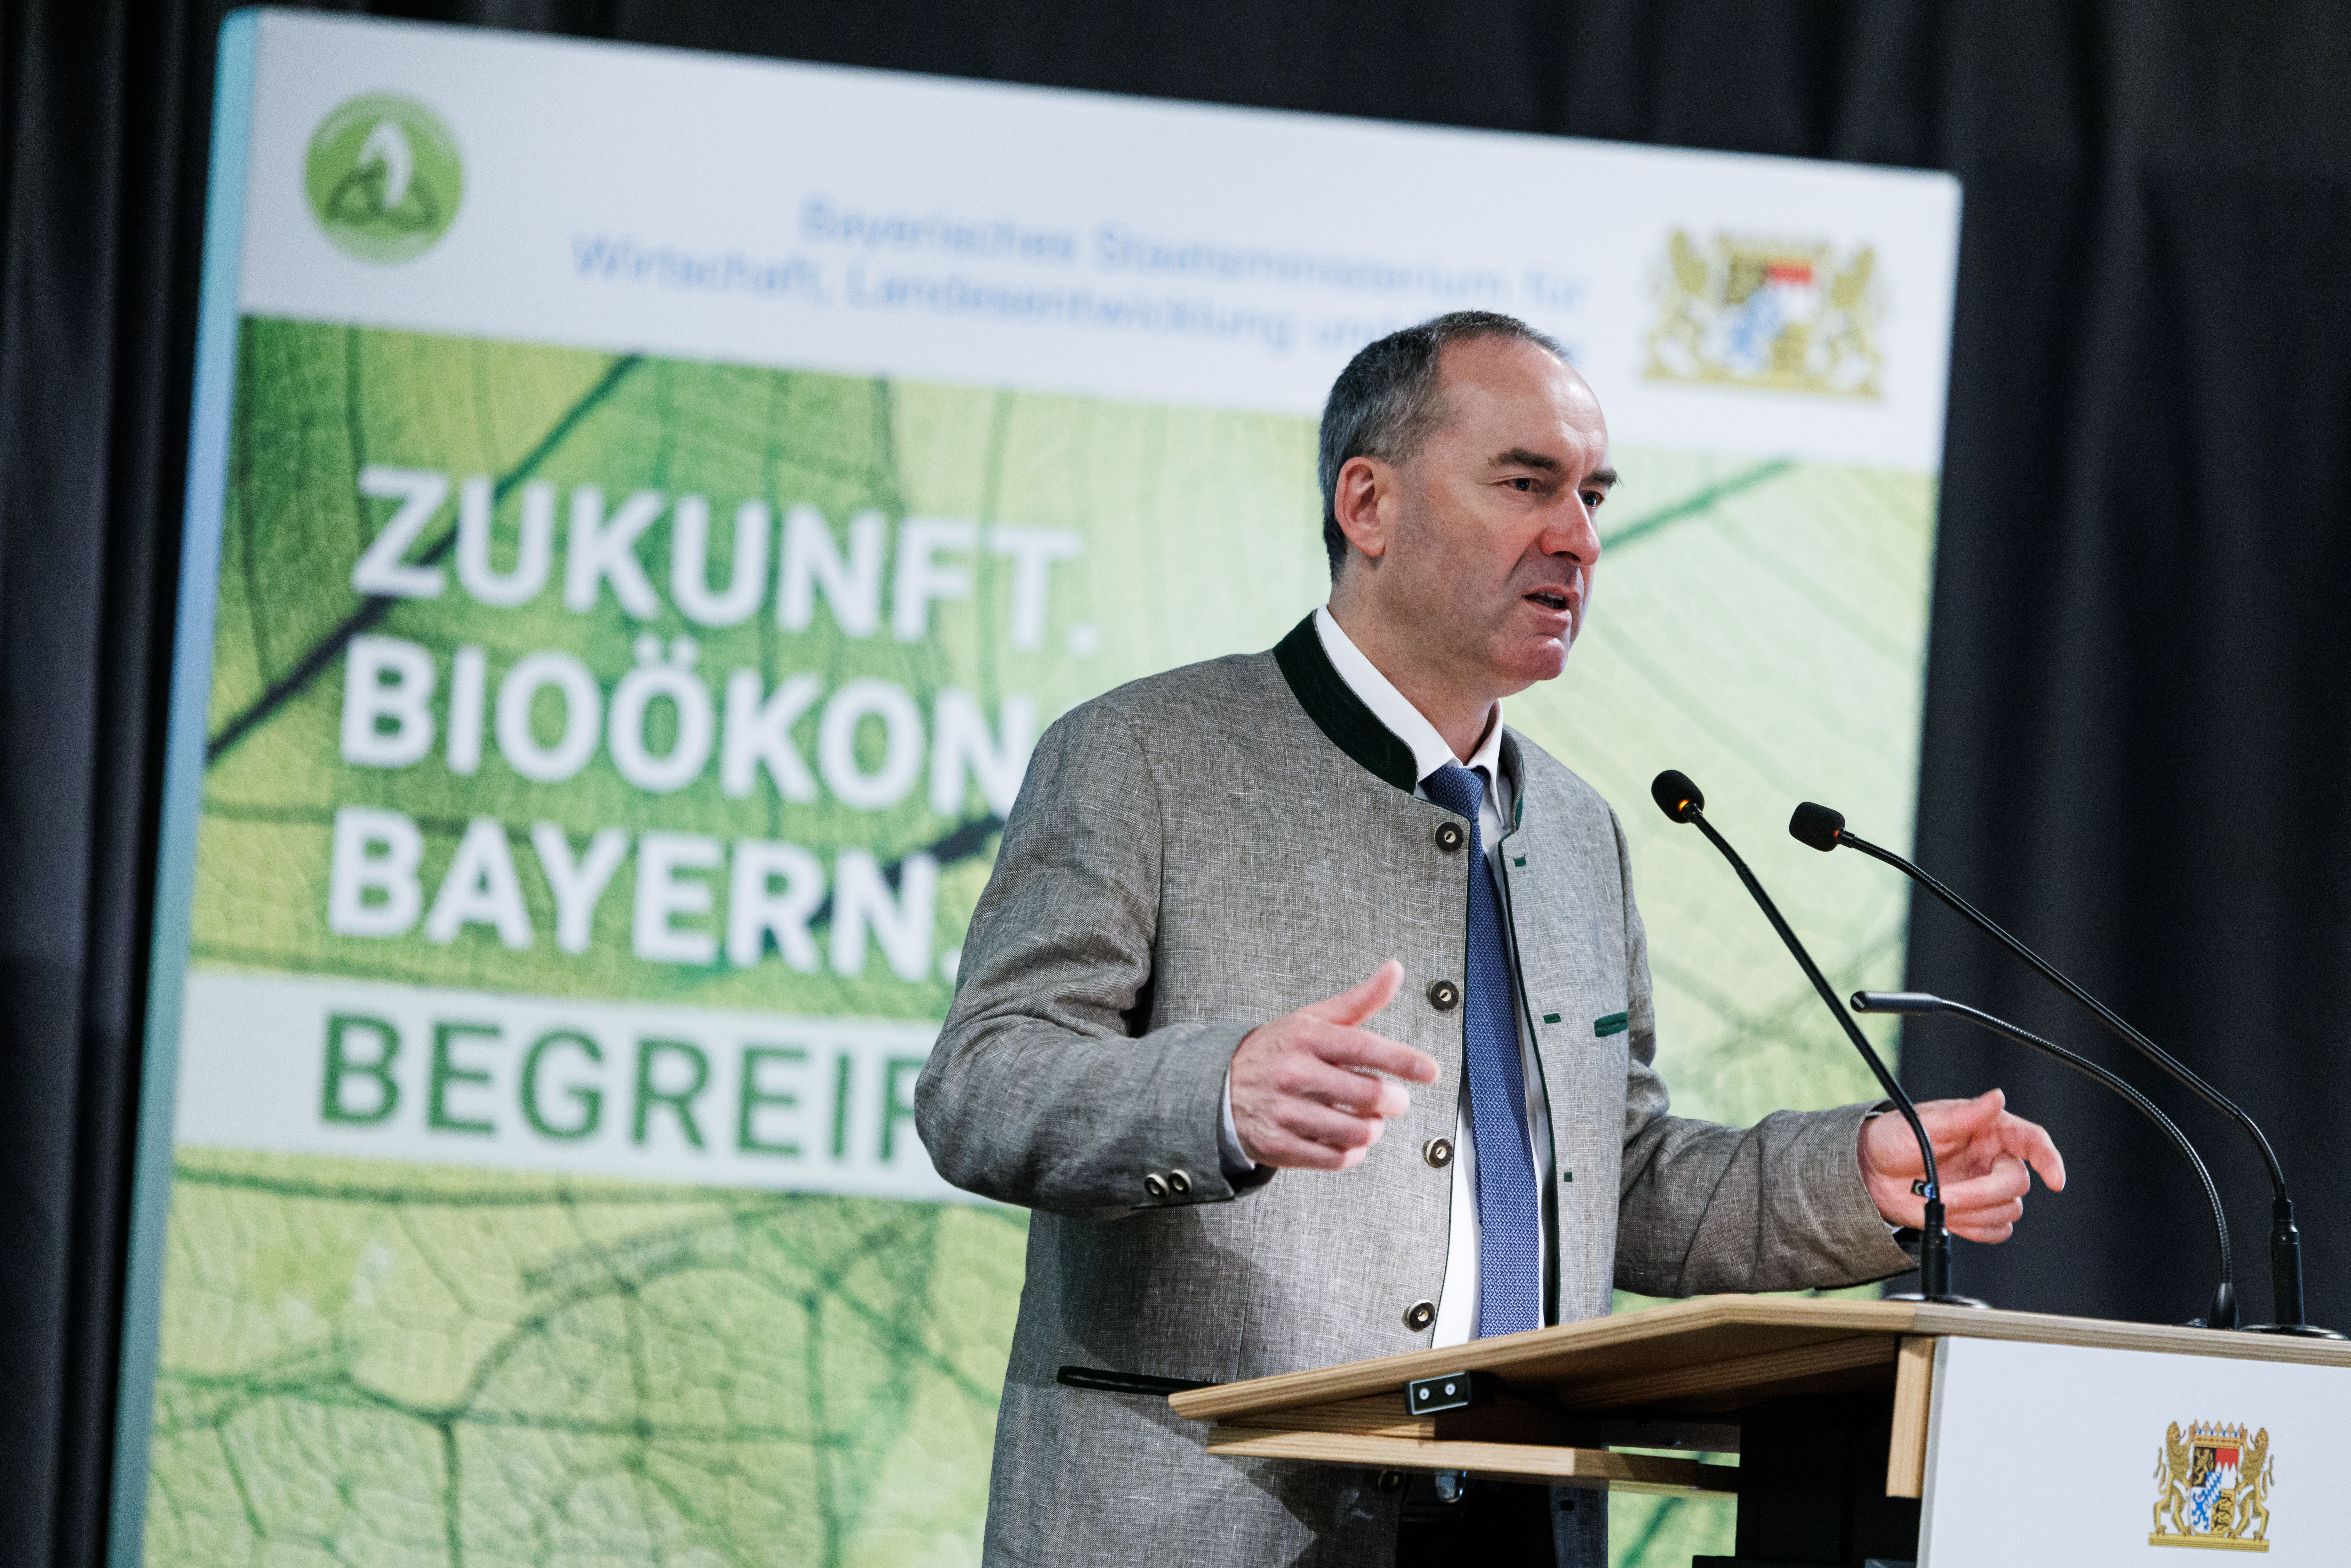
(869,222)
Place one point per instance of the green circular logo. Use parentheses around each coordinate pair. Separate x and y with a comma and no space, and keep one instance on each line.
(384,178)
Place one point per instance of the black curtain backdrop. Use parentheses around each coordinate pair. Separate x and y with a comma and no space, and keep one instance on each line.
(2135,716)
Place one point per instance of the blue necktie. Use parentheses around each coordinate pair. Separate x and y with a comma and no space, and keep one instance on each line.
(1509,1283)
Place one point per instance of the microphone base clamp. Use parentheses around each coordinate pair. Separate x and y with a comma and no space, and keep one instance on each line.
(2285,1277)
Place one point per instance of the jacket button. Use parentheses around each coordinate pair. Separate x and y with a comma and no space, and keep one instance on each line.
(1179,1183)
(1449,837)
(1419,1315)
(1154,1186)
(1437,1152)
(1444,995)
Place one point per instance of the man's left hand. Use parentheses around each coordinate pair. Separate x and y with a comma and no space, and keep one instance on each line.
(1981,1155)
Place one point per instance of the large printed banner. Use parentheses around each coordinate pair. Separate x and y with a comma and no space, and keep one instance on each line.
(643,509)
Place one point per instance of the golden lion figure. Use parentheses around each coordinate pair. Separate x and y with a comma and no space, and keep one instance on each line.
(2171,1470)
(1680,326)
(1850,317)
(2253,1490)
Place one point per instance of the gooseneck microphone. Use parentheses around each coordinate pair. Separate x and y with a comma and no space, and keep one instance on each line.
(2223,1311)
(1682,801)
(1824,828)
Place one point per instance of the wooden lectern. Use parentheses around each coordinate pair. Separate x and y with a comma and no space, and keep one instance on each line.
(2038,1432)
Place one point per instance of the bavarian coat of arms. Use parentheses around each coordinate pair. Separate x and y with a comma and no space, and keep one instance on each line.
(2213,1489)
(1788,314)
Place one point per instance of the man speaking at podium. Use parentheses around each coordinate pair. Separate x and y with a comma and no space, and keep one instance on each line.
(1239,908)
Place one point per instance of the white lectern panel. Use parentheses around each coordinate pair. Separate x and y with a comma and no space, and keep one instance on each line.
(2057,1454)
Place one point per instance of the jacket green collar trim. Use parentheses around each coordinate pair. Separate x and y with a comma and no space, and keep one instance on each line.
(1338,712)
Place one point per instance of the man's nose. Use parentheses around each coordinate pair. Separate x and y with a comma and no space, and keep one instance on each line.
(1575,533)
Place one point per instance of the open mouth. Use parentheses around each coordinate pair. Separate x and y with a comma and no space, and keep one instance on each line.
(1552,601)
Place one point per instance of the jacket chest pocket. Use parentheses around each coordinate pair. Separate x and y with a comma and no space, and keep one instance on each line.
(1570,939)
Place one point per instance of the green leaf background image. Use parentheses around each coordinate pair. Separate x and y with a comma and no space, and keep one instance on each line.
(383,1364)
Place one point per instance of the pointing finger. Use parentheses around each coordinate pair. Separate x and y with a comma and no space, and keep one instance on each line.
(1360,1002)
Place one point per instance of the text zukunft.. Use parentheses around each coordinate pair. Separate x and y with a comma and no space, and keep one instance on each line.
(601,545)
(663,726)
(773,891)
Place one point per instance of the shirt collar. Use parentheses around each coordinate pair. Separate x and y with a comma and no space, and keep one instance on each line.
(1394,709)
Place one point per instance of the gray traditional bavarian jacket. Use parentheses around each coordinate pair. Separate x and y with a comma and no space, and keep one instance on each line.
(1193,855)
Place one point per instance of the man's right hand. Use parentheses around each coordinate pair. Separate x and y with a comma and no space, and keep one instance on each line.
(1303,1088)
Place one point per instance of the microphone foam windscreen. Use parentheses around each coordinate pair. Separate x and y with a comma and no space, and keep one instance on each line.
(1816,825)
(1675,794)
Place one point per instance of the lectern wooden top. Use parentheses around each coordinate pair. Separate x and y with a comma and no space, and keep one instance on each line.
(1719,1353)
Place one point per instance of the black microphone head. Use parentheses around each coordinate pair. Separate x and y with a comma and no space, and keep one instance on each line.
(1816,825)
(1896,1002)
(1675,796)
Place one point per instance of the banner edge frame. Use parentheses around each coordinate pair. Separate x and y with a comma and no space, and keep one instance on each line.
(202,508)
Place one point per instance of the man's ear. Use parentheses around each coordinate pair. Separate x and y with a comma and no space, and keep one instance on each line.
(1363,503)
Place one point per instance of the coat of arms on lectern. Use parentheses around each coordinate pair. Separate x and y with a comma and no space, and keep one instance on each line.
(2213,1489)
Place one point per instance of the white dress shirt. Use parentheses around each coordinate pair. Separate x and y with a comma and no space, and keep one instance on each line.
(1456,1303)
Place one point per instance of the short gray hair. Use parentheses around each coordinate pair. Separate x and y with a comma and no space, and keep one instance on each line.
(1389,399)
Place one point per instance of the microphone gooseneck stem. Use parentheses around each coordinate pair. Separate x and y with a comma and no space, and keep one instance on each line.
(2223,1311)
(2187,1078)
(1933,1232)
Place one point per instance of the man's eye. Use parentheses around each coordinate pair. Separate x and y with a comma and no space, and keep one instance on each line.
(1592,498)
(1522,484)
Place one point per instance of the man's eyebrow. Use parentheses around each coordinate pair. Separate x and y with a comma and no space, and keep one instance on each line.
(1604,477)
(1521,458)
